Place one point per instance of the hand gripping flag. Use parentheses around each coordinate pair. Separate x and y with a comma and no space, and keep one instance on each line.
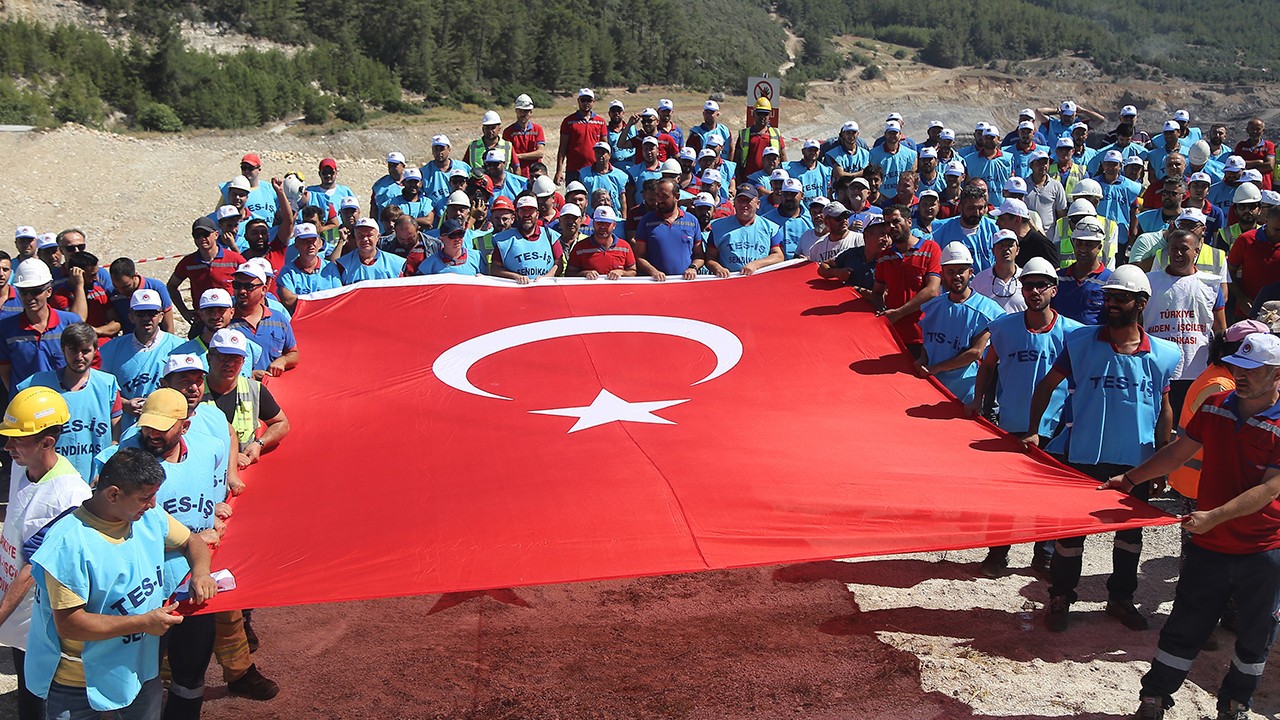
(455,434)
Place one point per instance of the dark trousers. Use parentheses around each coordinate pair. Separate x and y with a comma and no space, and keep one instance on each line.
(1178,395)
(30,705)
(1068,553)
(1209,579)
(190,647)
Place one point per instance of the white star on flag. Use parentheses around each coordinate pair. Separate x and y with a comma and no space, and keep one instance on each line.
(607,408)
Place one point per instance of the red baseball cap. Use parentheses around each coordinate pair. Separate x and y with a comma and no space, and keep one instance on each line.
(329,163)
(502,202)
(252,159)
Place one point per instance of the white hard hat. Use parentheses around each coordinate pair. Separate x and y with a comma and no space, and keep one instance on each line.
(524,102)
(671,167)
(293,189)
(1246,193)
(1130,278)
(1040,266)
(1088,229)
(544,187)
(457,197)
(239,182)
(1199,152)
(31,273)
(955,253)
(491,118)
(1081,207)
(1087,187)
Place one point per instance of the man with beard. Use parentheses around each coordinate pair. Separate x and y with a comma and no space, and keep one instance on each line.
(217,310)
(237,195)
(835,240)
(790,216)
(813,175)
(1120,414)
(989,163)
(1171,197)
(604,175)
(137,359)
(907,275)
(1222,193)
(972,228)
(601,254)
(308,272)
(928,177)
(270,244)
(668,240)
(1257,152)
(1023,348)
(1014,215)
(850,257)
(848,157)
(1022,148)
(83,295)
(412,202)
(406,234)
(272,331)
(744,242)
(24,242)
(648,167)
(1254,260)
(954,326)
(368,261)
(894,158)
(526,252)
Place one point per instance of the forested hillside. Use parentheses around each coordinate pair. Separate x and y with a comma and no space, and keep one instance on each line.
(407,55)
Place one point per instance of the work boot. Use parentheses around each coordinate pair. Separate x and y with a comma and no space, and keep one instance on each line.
(1150,708)
(995,563)
(253,685)
(1126,613)
(1056,618)
(1234,711)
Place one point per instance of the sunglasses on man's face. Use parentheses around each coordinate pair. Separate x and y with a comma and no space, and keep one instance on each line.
(240,285)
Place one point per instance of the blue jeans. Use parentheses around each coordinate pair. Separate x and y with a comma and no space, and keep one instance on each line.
(70,703)
(1209,579)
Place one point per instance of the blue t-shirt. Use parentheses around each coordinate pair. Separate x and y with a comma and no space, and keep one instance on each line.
(948,328)
(816,180)
(274,333)
(138,370)
(980,241)
(435,181)
(791,229)
(894,165)
(669,247)
(740,244)
(92,407)
(701,133)
(385,265)
(438,264)
(1115,399)
(121,303)
(299,282)
(614,180)
(512,186)
(1081,300)
(1025,358)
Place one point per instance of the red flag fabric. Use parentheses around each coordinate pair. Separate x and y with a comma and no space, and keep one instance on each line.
(456,434)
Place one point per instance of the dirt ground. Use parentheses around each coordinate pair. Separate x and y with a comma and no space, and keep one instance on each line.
(907,637)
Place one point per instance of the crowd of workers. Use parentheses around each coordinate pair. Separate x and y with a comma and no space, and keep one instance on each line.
(1101,291)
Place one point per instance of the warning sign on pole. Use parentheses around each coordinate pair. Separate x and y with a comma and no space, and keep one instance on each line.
(763,87)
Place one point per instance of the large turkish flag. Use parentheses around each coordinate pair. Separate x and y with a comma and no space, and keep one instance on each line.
(460,434)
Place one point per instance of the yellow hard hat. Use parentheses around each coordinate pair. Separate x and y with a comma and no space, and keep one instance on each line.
(763,105)
(34,410)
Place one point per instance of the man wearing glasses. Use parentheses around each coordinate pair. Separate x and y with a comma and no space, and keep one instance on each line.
(70,242)
(1023,347)
(272,331)
(31,341)
(1120,413)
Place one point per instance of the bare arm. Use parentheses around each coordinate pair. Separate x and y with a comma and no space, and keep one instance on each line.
(179,302)
(986,371)
(1246,503)
(968,356)
(774,257)
(18,589)
(1040,402)
(932,286)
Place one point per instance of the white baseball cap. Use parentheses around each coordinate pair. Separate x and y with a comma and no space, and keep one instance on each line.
(495,156)
(1256,350)
(935,124)
(1078,126)
(586,92)
(1065,142)
(1270,197)
(894,117)
(226,211)
(991,131)
(1012,206)
(367,222)
(688,153)
(1067,108)
(305,230)
(714,141)
(947,134)
(820,200)
(771,150)
(1200,177)
(183,362)
(412,173)
(229,342)
(1026,113)
(1004,236)
(1192,214)
(395,158)
(779,175)
(1234,163)
(1037,155)
(704,200)
(46,241)
(252,269)
(955,253)
(649,112)
(850,126)
(1171,126)
(711,175)
(349,203)
(527,201)
(892,126)
(458,173)
(1128,111)
(617,104)
(711,105)
(955,168)
(1182,116)
(928,152)
(145,299)
(1026,125)
(811,143)
(491,118)
(708,153)
(31,273)
(792,185)
(1015,184)
(24,232)
(215,298)
(570,209)
(440,141)
(1113,156)
(649,140)
(666,104)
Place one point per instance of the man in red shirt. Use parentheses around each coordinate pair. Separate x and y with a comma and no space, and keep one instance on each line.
(1234,553)
(210,266)
(752,141)
(85,293)
(908,275)
(668,147)
(1258,154)
(602,253)
(526,137)
(1254,260)
(579,134)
